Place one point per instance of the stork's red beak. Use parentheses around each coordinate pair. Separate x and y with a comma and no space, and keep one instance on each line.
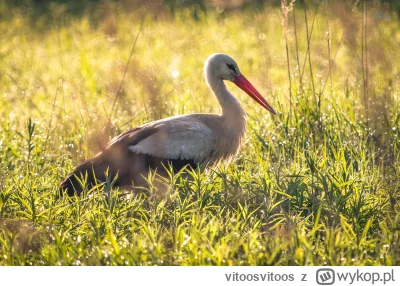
(247,87)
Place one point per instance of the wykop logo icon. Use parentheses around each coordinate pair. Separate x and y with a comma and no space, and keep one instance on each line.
(325,276)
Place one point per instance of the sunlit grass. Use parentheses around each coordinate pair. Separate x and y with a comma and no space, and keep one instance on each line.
(316,185)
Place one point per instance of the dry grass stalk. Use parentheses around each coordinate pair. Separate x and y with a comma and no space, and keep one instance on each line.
(309,45)
(285,10)
(364,57)
(328,34)
(126,68)
(297,48)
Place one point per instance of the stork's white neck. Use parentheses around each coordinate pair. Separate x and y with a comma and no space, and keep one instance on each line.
(229,104)
(233,115)
(232,123)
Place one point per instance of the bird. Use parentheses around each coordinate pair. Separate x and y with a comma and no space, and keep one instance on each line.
(193,140)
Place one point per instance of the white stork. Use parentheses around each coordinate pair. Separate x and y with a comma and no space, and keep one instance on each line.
(197,140)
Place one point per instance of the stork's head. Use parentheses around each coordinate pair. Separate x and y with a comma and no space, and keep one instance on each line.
(223,67)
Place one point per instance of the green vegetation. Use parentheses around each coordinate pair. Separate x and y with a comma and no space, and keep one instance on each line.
(317,185)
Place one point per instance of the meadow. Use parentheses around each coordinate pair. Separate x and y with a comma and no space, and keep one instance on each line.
(319,184)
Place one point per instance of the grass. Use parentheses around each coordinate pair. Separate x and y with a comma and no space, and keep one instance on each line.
(319,185)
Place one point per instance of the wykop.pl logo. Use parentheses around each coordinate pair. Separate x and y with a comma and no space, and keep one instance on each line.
(325,276)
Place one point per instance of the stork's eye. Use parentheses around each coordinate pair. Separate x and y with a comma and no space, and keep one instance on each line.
(231,67)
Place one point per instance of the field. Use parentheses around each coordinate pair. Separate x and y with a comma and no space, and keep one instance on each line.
(319,184)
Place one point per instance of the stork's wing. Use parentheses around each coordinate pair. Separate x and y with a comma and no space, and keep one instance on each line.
(183,137)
